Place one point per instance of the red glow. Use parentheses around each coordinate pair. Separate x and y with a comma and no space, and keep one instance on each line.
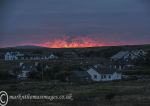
(72,42)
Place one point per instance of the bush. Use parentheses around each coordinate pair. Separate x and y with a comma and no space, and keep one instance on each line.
(138,72)
(110,96)
(4,75)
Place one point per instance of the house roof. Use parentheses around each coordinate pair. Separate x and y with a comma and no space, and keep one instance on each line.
(81,73)
(138,52)
(70,54)
(120,55)
(14,53)
(106,70)
(35,55)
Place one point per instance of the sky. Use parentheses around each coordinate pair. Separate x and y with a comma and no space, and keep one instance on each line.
(74,23)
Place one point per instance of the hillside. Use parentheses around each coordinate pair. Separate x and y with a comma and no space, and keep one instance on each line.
(30,47)
(105,51)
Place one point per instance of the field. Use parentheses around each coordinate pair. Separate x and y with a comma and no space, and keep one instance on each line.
(121,93)
(116,93)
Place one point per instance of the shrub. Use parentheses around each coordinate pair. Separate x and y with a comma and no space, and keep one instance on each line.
(110,96)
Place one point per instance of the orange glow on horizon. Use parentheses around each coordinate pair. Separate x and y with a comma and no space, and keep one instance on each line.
(72,42)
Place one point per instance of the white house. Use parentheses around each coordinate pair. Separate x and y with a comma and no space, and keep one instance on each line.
(28,56)
(52,56)
(98,74)
(25,69)
(12,55)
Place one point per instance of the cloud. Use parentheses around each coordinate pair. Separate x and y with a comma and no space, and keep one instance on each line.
(38,21)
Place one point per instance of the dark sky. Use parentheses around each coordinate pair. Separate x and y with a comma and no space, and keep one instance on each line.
(38,21)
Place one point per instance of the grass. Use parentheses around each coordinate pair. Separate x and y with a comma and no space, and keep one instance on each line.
(138,71)
(131,93)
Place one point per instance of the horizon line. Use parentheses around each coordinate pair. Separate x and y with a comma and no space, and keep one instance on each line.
(71,47)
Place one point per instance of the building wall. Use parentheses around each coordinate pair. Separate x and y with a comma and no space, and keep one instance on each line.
(10,56)
(116,76)
(111,77)
(23,74)
(108,77)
